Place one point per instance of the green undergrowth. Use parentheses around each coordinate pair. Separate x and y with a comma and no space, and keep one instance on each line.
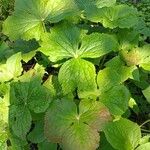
(74,75)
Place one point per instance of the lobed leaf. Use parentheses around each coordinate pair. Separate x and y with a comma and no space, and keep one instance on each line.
(28,19)
(77,73)
(123,130)
(75,130)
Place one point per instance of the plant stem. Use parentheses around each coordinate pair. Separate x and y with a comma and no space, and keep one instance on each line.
(145,123)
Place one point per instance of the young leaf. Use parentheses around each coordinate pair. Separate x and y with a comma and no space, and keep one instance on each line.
(64,125)
(77,73)
(123,134)
(27,21)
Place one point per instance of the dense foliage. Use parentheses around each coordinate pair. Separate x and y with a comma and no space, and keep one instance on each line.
(74,75)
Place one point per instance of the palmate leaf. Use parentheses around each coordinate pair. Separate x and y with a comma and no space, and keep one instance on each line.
(27,21)
(110,90)
(32,94)
(121,16)
(85,4)
(75,131)
(66,41)
(77,73)
(90,7)
(24,97)
(123,130)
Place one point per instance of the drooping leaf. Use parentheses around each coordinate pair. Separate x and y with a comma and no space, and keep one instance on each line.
(64,125)
(77,73)
(123,134)
(28,19)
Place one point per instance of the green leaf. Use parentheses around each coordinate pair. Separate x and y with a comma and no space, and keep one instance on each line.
(144,146)
(104,144)
(94,113)
(20,120)
(36,72)
(137,56)
(59,117)
(37,134)
(31,94)
(67,41)
(12,68)
(116,99)
(86,4)
(121,16)
(77,73)
(80,136)
(88,7)
(61,43)
(146,93)
(123,134)
(115,73)
(5,52)
(28,19)
(27,48)
(47,146)
(75,130)
(145,139)
(96,45)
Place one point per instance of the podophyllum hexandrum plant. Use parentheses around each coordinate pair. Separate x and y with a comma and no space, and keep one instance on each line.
(81,106)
